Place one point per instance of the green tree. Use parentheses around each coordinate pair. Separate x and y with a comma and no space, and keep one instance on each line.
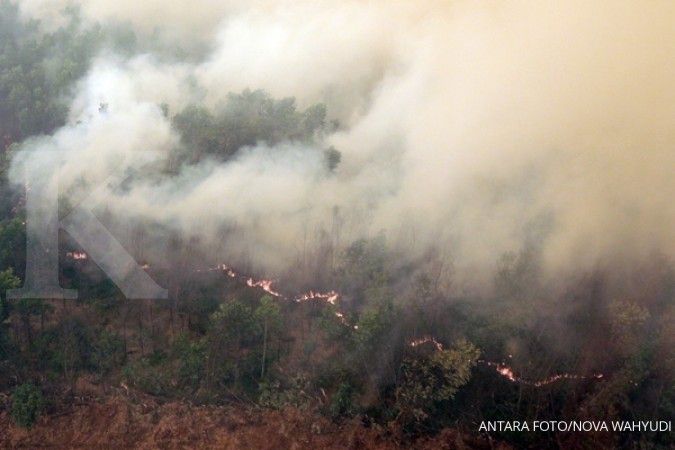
(7,281)
(108,352)
(246,119)
(36,69)
(427,380)
(12,243)
(73,348)
(269,314)
(342,402)
(26,308)
(27,405)
(232,334)
(191,358)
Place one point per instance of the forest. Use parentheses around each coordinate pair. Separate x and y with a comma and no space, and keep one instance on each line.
(282,299)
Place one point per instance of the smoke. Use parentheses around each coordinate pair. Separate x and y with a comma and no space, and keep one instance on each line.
(476,127)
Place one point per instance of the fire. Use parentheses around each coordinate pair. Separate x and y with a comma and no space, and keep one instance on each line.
(426,340)
(343,320)
(503,370)
(265,285)
(508,372)
(268,286)
(229,272)
(77,256)
(330,297)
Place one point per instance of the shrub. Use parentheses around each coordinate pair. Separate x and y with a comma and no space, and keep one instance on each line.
(108,352)
(296,394)
(342,403)
(149,378)
(27,405)
(190,357)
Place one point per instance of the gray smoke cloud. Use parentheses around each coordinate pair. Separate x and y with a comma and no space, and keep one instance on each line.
(474,127)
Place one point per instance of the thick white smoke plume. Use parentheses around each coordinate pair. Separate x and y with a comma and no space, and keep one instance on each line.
(476,127)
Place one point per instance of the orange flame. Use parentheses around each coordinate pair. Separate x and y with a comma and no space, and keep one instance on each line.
(268,286)
(426,340)
(265,285)
(508,372)
(330,297)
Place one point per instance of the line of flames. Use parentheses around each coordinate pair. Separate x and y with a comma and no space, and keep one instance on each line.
(332,297)
(426,340)
(507,372)
(268,286)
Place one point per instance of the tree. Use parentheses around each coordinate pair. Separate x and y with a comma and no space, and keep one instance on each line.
(191,358)
(26,308)
(333,158)
(342,402)
(36,69)
(246,119)
(73,348)
(363,266)
(108,352)
(27,405)
(232,332)
(7,281)
(430,379)
(12,243)
(269,314)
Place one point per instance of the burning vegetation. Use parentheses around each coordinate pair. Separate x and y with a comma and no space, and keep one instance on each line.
(432,214)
